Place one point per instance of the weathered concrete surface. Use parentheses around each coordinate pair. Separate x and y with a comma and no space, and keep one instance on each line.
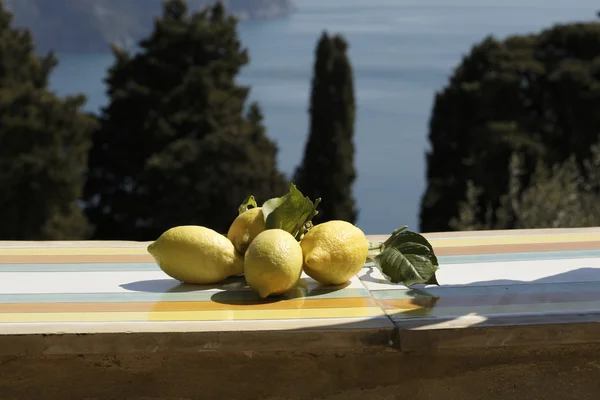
(195,342)
(383,373)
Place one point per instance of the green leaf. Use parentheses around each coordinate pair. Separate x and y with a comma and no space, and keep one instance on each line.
(403,237)
(290,212)
(409,258)
(247,204)
(409,269)
(432,281)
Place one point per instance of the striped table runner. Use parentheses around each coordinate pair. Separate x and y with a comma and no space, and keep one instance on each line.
(48,287)
(499,277)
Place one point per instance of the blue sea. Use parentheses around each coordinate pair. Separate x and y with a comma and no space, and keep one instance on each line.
(402,52)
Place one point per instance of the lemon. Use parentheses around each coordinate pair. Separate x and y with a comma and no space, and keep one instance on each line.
(245,228)
(273,262)
(195,254)
(334,252)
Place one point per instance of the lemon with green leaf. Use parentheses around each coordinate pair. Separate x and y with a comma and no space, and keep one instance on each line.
(335,251)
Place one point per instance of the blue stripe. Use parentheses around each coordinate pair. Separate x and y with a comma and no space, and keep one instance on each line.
(444,260)
(546,255)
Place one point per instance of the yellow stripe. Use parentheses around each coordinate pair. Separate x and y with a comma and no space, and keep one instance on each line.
(483,241)
(217,315)
(168,306)
(419,312)
(57,251)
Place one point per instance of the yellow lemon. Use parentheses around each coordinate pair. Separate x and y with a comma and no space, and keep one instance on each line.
(273,262)
(334,252)
(195,254)
(245,228)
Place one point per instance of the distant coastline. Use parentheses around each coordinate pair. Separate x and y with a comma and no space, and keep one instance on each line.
(78,26)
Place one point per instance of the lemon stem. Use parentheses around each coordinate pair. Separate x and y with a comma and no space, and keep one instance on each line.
(394,235)
(248,203)
(377,247)
(306,225)
(374,249)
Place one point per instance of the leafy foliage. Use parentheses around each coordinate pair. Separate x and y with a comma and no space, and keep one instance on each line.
(292,212)
(563,196)
(327,170)
(535,95)
(177,145)
(44,144)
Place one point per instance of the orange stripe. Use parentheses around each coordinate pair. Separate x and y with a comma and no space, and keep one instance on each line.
(510,232)
(80,259)
(355,302)
(515,248)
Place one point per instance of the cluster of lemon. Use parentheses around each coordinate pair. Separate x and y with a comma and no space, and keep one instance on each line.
(272,260)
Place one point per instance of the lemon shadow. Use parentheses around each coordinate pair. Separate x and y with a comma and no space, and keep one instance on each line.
(233,290)
(300,291)
(251,298)
(323,289)
(174,286)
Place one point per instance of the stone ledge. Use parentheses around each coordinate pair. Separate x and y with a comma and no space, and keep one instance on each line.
(358,374)
(194,342)
(541,289)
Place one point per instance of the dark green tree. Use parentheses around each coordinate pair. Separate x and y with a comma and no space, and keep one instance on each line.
(567,195)
(327,169)
(176,145)
(536,95)
(44,142)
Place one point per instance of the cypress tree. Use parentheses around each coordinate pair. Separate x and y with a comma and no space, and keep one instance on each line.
(327,170)
(44,142)
(177,145)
